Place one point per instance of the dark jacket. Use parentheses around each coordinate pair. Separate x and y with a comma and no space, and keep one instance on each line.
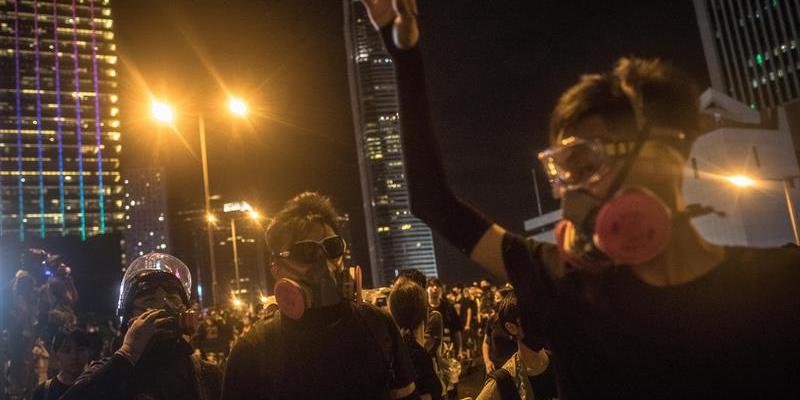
(165,373)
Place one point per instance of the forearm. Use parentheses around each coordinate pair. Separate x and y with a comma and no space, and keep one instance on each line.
(431,198)
(485,352)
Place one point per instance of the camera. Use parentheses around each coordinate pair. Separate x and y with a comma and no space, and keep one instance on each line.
(186,321)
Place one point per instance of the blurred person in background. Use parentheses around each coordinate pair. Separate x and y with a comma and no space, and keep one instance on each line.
(71,352)
(409,308)
(528,373)
(452,323)
(434,326)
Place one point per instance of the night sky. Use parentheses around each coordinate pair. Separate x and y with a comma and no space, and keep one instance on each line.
(495,70)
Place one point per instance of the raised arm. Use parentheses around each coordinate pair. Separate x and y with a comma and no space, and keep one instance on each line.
(432,200)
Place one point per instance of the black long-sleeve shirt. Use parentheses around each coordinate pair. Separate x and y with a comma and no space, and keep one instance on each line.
(161,378)
(730,333)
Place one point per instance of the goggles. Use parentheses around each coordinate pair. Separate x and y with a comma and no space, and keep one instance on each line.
(579,162)
(307,251)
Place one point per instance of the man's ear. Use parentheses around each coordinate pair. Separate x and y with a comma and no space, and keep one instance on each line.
(512,328)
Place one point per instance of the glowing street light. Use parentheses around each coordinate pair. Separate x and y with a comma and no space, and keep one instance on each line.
(264,299)
(741,180)
(237,107)
(254,215)
(211,218)
(236,302)
(162,112)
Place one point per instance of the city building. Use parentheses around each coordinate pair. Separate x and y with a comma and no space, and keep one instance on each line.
(745,166)
(146,224)
(396,239)
(542,228)
(752,49)
(190,244)
(59,120)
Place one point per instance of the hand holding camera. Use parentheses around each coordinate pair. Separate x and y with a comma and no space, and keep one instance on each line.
(142,329)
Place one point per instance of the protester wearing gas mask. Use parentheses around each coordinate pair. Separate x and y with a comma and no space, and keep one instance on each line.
(323,343)
(154,360)
(633,300)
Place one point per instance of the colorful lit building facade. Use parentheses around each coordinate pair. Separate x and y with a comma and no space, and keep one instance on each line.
(59,120)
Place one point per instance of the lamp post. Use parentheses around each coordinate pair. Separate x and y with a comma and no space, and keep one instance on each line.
(788,183)
(240,207)
(163,113)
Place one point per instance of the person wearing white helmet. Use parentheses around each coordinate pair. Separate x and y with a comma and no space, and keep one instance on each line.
(154,360)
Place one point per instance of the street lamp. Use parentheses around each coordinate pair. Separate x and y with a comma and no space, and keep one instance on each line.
(253,215)
(237,106)
(741,181)
(788,182)
(163,113)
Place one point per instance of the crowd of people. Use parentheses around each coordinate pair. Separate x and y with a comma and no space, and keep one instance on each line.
(630,302)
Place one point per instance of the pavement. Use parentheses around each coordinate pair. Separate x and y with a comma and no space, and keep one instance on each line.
(471,383)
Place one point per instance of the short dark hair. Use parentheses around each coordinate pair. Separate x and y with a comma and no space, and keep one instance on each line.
(508,309)
(299,215)
(408,304)
(668,97)
(414,275)
(435,282)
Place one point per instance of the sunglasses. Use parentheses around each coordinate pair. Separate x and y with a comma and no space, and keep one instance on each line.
(308,251)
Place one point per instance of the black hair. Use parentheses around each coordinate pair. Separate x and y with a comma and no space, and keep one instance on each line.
(667,96)
(408,304)
(414,275)
(508,309)
(435,282)
(80,337)
(298,216)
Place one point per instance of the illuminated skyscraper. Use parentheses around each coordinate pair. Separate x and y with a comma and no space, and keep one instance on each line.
(396,239)
(752,49)
(59,126)
(146,224)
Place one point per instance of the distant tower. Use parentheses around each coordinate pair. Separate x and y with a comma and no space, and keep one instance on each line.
(59,132)
(396,239)
(752,49)
(146,225)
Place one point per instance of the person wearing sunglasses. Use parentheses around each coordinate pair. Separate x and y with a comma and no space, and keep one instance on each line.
(323,342)
(631,299)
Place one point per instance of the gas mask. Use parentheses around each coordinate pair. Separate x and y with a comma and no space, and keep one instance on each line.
(324,283)
(630,225)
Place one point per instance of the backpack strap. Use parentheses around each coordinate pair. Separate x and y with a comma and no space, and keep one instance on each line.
(505,384)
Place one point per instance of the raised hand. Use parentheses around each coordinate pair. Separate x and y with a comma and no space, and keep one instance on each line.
(402,14)
(141,331)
